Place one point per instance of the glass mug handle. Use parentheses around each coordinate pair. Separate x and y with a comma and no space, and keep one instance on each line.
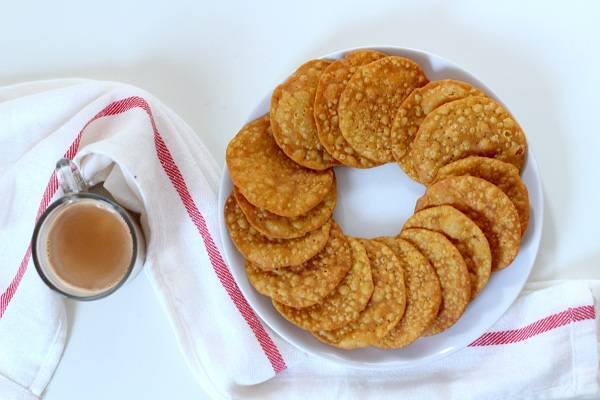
(69,177)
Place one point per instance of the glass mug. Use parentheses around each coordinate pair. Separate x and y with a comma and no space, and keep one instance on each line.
(85,245)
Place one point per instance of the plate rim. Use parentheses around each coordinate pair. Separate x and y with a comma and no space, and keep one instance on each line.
(531,162)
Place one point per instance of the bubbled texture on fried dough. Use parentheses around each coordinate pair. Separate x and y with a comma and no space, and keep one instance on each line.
(385,308)
(331,85)
(464,234)
(423,295)
(487,205)
(370,101)
(471,126)
(268,253)
(278,227)
(268,178)
(292,117)
(452,273)
(504,175)
(344,304)
(309,283)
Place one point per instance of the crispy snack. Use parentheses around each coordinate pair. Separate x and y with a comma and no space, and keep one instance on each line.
(269,179)
(464,234)
(487,205)
(330,88)
(344,304)
(504,175)
(292,117)
(451,270)
(278,227)
(310,283)
(471,126)
(423,295)
(370,101)
(385,308)
(419,103)
(269,253)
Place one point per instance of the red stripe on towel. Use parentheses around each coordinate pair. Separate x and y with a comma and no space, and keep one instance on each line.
(10,291)
(538,327)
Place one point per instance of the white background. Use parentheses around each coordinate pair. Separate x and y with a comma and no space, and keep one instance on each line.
(211,62)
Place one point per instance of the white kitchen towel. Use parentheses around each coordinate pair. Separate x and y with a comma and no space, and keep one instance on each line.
(544,347)
(152,162)
(120,133)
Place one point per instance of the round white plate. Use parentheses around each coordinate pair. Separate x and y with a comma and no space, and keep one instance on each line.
(378,201)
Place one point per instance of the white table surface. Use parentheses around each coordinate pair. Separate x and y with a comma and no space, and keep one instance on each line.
(211,62)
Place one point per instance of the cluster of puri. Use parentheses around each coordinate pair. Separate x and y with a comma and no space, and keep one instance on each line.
(361,111)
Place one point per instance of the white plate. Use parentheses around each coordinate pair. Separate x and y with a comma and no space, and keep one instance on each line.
(376,202)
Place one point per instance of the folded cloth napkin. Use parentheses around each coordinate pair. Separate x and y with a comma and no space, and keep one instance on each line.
(545,346)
